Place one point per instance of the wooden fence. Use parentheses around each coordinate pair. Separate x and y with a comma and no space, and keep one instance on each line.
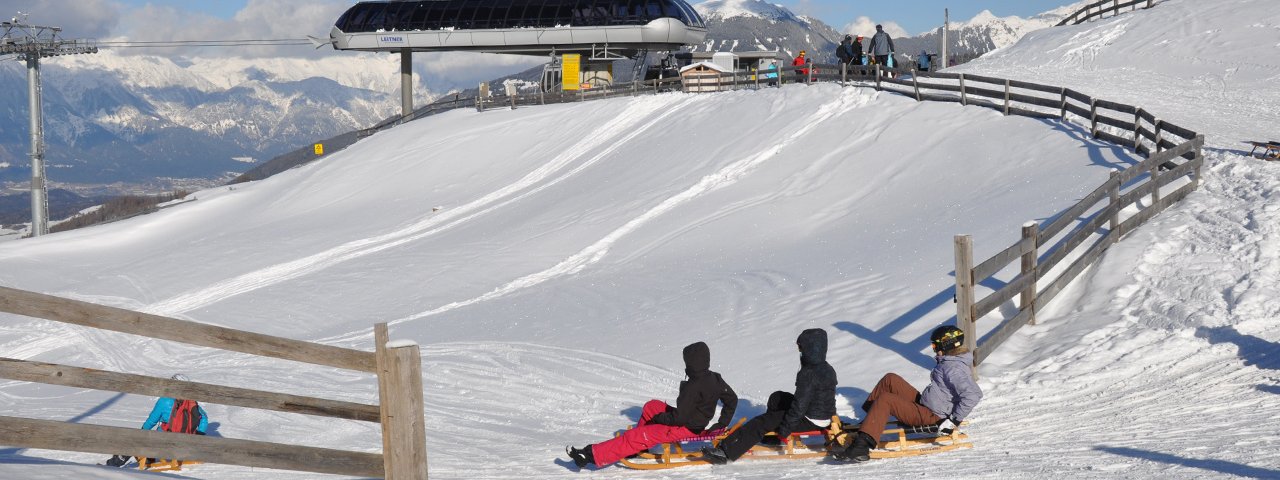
(397,367)
(1102,7)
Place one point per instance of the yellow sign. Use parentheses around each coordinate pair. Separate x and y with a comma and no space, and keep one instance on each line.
(319,149)
(571,70)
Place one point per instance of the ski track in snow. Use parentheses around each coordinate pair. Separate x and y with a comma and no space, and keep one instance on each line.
(607,134)
(849,99)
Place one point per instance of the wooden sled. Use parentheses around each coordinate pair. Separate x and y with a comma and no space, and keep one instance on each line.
(1270,150)
(163,465)
(906,442)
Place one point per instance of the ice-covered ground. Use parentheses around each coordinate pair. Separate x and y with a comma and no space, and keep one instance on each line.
(573,257)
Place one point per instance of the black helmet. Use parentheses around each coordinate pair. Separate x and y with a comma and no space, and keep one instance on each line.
(946,338)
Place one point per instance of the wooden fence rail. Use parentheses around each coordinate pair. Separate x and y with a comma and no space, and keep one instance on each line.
(396,364)
(1102,7)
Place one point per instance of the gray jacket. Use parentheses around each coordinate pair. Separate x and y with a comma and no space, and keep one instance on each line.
(881,44)
(952,393)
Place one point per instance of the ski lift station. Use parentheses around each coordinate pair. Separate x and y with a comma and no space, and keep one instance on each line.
(582,37)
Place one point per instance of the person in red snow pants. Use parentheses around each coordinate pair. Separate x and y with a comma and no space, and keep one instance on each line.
(661,423)
(642,437)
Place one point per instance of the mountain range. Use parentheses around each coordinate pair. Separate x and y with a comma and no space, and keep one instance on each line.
(154,123)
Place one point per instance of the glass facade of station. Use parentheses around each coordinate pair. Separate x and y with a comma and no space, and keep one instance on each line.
(504,14)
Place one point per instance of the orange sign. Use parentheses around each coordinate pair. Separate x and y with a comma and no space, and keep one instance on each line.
(585,86)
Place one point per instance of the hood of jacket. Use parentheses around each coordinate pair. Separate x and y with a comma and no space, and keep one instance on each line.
(964,359)
(813,346)
(697,359)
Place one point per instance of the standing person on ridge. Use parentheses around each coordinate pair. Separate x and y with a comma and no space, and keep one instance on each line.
(844,51)
(810,408)
(858,57)
(661,423)
(881,46)
(172,415)
(948,399)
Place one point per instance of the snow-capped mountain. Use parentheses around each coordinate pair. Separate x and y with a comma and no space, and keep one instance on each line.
(983,33)
(117,118)
(747,25)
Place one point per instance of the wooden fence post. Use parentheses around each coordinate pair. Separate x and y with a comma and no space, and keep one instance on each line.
(844,74)
(1195,181)
(964,96)
(380,340)
(1137,130)
(1030,230)
(1006,97)
(964,293)
(1155,185)
(915,82)
(877,76)
(1114,194)
(407,456)
(1093,116)
(1158,139)
(1064,104)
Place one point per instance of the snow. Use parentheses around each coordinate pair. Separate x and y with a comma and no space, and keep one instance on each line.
(743,8)
(552,262)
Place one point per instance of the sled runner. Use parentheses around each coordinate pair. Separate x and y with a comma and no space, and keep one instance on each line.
(1270,150)
(162,465)
(906,441)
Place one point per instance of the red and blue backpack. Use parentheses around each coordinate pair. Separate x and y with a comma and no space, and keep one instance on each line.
(184,418)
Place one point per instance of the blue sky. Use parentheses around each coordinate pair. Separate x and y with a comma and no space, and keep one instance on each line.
(913,15)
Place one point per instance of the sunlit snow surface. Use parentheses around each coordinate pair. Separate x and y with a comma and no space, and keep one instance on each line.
(579,247)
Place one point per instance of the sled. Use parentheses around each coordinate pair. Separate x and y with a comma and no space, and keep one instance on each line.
(905,441)
(1270,150)
(163,465)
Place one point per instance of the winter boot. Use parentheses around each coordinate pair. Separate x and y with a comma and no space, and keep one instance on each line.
(714,455)
(117,461)
(581,457)
(860,450)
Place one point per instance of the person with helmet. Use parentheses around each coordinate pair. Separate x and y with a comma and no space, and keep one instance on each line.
(951,395)
(801,61)
(859,58)
(171,415)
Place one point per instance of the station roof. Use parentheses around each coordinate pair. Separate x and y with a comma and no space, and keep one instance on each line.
(383,16)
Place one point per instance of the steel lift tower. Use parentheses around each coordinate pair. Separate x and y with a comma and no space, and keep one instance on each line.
(31,43)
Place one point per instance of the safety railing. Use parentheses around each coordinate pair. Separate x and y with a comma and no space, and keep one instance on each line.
(1101,8)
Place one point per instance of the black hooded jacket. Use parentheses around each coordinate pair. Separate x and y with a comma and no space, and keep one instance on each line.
(815,395)
(699,393)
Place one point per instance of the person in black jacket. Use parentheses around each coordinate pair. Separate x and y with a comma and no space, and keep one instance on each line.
(810,408)
(661,423)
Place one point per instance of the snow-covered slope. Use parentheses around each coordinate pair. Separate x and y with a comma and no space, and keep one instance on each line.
(572,259)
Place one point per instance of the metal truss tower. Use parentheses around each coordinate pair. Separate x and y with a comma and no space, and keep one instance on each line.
(31,43)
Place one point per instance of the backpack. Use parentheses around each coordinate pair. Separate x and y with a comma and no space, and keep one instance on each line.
(184,418)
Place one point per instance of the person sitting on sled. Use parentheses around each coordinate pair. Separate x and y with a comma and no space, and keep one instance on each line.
(172,415)
(810,408)
(948,399)
(661,423)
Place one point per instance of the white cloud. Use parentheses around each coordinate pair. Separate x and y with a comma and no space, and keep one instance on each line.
(866,27)
(77,18)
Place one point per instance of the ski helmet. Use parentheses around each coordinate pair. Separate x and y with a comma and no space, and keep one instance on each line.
(946,338)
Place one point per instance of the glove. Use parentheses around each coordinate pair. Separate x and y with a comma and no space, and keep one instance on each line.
(946,426)
(664,418)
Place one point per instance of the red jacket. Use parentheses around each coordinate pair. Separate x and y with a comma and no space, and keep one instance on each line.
(801,62)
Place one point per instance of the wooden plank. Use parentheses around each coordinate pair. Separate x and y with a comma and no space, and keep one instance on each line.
(1119,107)
(92,315)
(940,87)
(1176,130)
(1147,134)
(1077,96)
(380,338)
(1030,231)
(1069,216)
(1078,237)
(1159,159)
(73,437)
(1080,111)
(1037,101)
(1012,289)
(997,262)
(1148,116)
(986,92)
(1035,86)
(1150,212)
(983,79)
(1053,289)
(53,374)
(1112,138)
(1125,125)
(993,340)
(946,75)
(965,318)
(1032,113)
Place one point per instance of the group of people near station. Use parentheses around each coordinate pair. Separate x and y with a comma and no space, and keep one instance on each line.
(950,396)
(879,52)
